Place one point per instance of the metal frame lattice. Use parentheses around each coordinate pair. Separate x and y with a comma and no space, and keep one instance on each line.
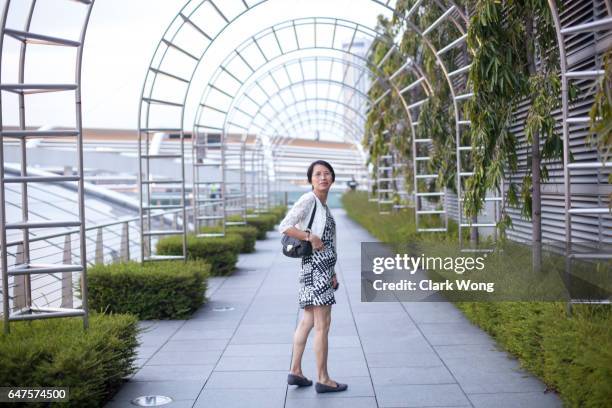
(25,268)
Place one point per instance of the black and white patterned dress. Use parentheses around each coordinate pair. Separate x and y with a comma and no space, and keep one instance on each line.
(318,269)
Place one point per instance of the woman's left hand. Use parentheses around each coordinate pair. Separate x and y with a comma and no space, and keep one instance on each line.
(334,282)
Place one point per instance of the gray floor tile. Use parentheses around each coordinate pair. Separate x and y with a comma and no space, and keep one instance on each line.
(195,345)
(516,400)
(240,398)
(403,359)
(325,402)
(173,373)
(146,351)
(238,350)
(411,375)
(468,350)
(247,379)
(420,395)
(254,363)
(203,334)
(185,357)
(475,379)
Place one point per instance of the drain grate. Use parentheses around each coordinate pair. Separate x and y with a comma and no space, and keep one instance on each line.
(151,400)
(222,308)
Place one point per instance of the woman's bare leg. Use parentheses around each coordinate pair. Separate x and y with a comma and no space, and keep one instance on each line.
(299,340)
(322,321)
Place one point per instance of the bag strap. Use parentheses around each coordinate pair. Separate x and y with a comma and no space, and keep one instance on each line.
(312,216)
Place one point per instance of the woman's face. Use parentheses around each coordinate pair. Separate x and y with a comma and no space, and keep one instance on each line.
(321,178)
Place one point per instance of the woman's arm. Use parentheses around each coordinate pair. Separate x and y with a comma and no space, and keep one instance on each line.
(296,214)
(315,240)
(296,233)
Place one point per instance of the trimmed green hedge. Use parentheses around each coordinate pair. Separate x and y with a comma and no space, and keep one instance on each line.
(263,223)
(220,252)
(152,291)
(247,232)
(279,212)
(59,353)
(572,355)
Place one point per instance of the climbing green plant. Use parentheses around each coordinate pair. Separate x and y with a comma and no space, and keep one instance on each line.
(601,115)
(514,60)
(436,118)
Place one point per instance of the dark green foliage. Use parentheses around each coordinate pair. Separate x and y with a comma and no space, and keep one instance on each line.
(153,290)
(59,353)
(247,232)
(263,222)
(279,212)
(220,252)
(506,39)
(601,115)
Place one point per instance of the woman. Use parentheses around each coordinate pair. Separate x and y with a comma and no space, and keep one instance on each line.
(317,278)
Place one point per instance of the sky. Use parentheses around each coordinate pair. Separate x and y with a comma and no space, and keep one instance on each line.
(121,40)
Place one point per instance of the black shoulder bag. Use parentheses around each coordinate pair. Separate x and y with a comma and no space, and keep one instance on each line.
(296,248)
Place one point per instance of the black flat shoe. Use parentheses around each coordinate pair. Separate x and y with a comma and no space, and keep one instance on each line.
(321,388)
(293,379)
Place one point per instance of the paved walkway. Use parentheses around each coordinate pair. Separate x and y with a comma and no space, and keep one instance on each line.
(390,354)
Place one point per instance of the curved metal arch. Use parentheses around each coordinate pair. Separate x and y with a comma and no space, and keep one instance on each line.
(184,19)
(306,117)
(418,72)
(304,101)
(256,84)
(301,83)
(455,98)
(293,84)
(598,24)
(376,71)
(426,87)
(186,15)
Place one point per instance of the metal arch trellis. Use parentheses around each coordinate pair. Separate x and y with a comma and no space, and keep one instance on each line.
(354,130)
(218,88)
(280,91)
(564,32)
(269,100)
(447,15)
(24,268)
(182,20)
(278,136)
(365,61)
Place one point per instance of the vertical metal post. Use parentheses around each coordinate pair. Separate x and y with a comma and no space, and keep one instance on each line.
(125,242)
(99,247)
(67,295)
(19,290)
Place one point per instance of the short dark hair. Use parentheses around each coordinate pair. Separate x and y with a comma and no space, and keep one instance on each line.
(322,163)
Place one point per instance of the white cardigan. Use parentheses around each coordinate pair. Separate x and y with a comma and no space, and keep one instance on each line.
(299,216)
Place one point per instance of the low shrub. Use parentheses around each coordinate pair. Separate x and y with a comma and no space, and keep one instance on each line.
(220,252)
(59,353)
(247,232)
(263,223)
(153,290)
(279,212)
